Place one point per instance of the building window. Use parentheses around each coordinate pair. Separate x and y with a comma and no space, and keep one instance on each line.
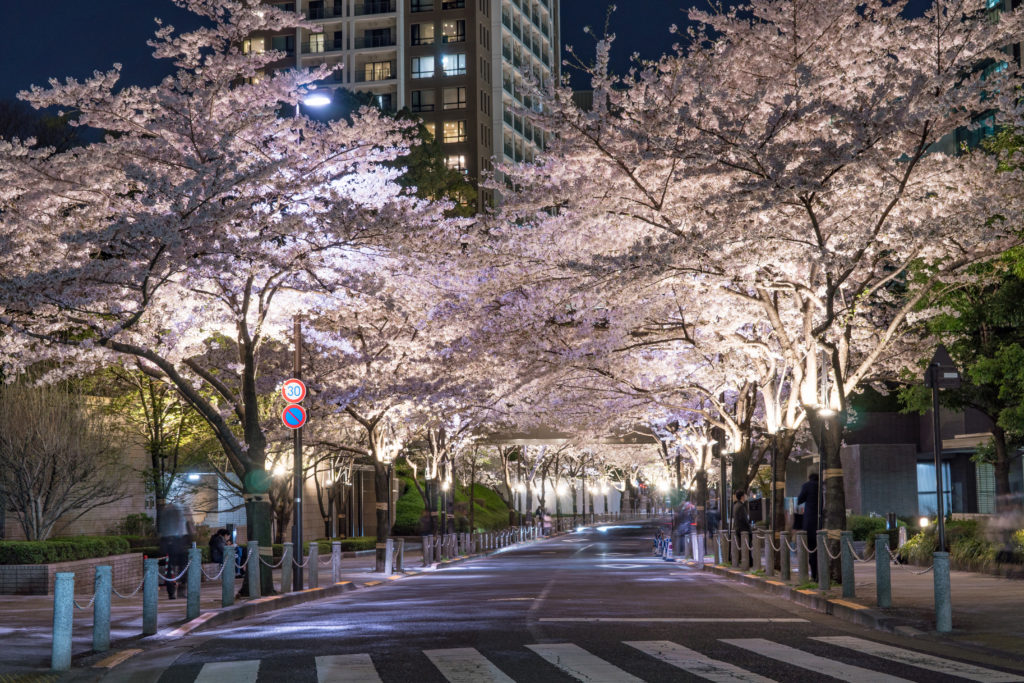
(431,129)
(454,65)
(421,6)
(926,499)
(454,131)
(421,100)
(378,71)
(316,43)
(454,31)
(423,67)
(423,34)
(453,4)
(454,98)
(386,102)
(283,44)
(252,46)
(456,162)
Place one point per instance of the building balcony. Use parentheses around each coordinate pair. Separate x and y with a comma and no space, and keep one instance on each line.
(376,72)
(366,42)
(375,7)
(332,12)
(319,47)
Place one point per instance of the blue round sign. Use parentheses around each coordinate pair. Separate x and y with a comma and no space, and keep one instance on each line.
(294,416)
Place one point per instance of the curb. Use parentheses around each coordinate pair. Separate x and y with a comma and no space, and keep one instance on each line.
(812,599)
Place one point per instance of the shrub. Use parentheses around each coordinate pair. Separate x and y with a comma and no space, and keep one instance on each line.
(1017,540)
(968,547)
(61,549)
(355,543)
(137,525)
(409,510)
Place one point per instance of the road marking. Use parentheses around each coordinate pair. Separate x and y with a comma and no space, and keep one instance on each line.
(695,663)
(510,599)
(466,665)
(678,620)
(921,660)
(346,669)
(110,661)
(621,566)
(581,665)
(805,660)
(229,672)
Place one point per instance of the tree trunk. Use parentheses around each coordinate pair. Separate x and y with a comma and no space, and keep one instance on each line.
(782,447)
(1001,465)
(700,495)
(259,514)
(828,435)
(472,501)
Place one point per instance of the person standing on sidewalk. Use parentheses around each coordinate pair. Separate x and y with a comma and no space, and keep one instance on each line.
(740,514)
(176,534)
(809,499)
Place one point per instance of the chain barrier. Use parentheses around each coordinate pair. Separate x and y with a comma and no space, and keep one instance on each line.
(168,579)
(87,605)
(829,552)
(747,541)
(896,560)
(327,559)
(803,542)
(248,556)
(300,565)
(272,566)
(215,576)
(858,558)
(771,542)
(130,595)
(791,547)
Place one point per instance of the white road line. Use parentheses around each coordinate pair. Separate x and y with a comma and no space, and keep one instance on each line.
(675,620)
(921,660)
(346,669)
(229,672)
(805,660)
(466,665)
(695,663)
(582,665)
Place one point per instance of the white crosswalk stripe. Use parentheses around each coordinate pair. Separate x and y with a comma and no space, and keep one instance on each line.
(921,660)
(229,672)
(346,669)
(806,660)
(696,663)
(581,665)
(466,665)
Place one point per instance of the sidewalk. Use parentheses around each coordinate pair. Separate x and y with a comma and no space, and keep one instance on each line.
(986,609)
(27,645)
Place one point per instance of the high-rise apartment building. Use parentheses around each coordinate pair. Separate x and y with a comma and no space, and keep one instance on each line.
(459,64)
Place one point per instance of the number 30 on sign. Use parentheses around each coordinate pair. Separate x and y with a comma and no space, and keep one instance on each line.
(293,390)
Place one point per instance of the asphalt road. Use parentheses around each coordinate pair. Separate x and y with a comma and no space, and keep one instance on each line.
(592,606)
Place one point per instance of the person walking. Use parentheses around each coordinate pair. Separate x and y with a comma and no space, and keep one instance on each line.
(176,533)
(741,514)
(809,499)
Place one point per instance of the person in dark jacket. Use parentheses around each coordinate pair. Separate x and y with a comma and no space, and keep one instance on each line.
(218,544)
(740,514)
(809,499)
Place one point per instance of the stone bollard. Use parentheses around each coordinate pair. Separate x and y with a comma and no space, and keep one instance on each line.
(784,557)
(803,569)
(389,553)
(253,570)
(745,551)
(943,605)
(63,616)
(883,586)
(428,546)
(757,550)
(335,561)
(400,556)
(313,559)
(286,568)
(227,578)
(769,554)
(823,563)
(101,609)
(718,547)
(734,538)
(698,550)
(846,563)
(150,591)
(193,582)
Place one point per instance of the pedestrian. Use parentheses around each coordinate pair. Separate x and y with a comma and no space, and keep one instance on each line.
(809,497)
(219,546)
(740,514)
(176,532)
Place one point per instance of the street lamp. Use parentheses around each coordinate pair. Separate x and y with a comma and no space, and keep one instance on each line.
(317,99)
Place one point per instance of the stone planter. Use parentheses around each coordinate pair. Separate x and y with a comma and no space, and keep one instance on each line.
(37,579)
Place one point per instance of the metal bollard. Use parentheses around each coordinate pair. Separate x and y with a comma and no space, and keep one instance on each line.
(734,537)
(253,570)
(101,609)
(227,578)
(943,605)
(803,569)
(193,582)
(335,561)
(769,555)
(883,586)
(823,563)
(846,563)
(150,589)
(286,567)
(745,551)
(63,616)
(400,556)
(718,547)
(784,558)
(428,545)
(757,551)
(698,550)
(313,559)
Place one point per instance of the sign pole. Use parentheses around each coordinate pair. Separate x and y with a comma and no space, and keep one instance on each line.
(933,370)
(297,471)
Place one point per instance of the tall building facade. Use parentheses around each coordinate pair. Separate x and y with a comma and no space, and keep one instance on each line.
(458,64)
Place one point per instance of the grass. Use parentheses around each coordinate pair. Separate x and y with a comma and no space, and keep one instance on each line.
(490,512)
(809,585)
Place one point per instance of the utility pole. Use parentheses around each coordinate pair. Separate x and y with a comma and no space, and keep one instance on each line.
(297,471)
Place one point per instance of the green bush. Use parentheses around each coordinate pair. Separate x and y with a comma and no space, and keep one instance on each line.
(1017,540)
(352,544)
(490,512)
(968,547)
(61,549)
(409,510)
(139,524)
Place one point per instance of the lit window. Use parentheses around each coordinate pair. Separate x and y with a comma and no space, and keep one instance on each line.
(454,98)
(454,31)
(423,34)
(422,100)
(378,71)
(431,128)
(454,65)
(422,67)
(456,162)
(316,42)
(454,131)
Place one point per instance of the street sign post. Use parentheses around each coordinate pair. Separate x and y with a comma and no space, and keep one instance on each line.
(294,416)
(293,390)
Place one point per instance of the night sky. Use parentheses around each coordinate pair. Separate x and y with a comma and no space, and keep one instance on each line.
(74,38)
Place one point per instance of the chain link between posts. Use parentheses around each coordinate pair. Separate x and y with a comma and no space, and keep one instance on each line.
(215,576)
(858,558)
(87,605)
(771,542)
(248,556)
(132,594)
(300,565)
(896,560)
(272,566)
(168,579)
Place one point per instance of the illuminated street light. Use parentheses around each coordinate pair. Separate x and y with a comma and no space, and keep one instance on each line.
(924,522)
(317,99)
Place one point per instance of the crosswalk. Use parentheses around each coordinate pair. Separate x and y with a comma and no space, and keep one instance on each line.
(468,665)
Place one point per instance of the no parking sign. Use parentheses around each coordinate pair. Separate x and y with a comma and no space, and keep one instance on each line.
(294,416)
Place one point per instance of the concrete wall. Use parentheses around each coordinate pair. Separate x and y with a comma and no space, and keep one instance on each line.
(880,478)
(37,579)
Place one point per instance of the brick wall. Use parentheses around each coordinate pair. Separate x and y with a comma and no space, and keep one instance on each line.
(37,579)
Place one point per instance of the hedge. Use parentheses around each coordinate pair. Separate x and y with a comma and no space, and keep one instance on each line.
(62,549)
(969,549)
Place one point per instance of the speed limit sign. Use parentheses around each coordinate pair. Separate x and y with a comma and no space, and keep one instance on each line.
(293,390)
